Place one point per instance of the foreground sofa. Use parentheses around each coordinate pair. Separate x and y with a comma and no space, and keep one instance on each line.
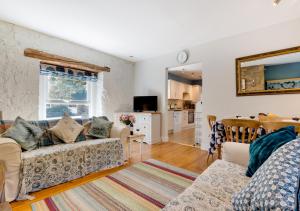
(30,171)
(213,189)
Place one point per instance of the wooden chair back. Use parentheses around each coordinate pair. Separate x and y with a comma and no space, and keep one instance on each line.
(237,129)
(211,120)
(271,126)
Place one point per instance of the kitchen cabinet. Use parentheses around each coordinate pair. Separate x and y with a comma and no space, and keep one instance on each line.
(177,121)
(182,91)
(185,119)
(196,93)
(170,120)
(175,90)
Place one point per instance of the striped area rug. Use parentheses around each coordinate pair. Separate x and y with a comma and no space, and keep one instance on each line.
(148,185)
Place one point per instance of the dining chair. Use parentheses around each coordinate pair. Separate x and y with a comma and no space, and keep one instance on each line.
(211,120)
(271,126)
(241,130)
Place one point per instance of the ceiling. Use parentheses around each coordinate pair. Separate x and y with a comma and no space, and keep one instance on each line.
(145,28)
(190,75)
(190,71)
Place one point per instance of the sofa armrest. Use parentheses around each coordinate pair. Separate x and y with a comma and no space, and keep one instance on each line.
(10,155)
(121,132)
(236,152)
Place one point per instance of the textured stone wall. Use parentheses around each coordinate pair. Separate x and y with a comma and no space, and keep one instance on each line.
(19,75)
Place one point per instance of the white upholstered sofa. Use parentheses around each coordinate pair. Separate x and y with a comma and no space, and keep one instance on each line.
(213,189)
(31,171)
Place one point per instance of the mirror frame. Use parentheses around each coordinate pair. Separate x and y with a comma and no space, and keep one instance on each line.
(238,62)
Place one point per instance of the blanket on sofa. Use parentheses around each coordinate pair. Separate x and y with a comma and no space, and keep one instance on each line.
(57,164)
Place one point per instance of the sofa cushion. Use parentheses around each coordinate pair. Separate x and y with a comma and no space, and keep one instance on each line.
(236,152)
(213,189)
(100,128)
(67,129)
(24,133)
(274,185)
(264,146)
(222,179)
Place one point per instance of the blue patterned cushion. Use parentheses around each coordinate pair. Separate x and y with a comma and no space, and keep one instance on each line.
(275,184)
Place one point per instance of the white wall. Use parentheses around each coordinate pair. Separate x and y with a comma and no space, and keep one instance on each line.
(19,75)
(218,59)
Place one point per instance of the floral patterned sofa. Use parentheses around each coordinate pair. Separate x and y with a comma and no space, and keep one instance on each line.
(213,189)
(30,171)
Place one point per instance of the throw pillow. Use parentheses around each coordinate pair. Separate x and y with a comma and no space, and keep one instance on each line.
(45,140)
(264,146)
(67,129)
(274,185)
(100,128)
(24,133)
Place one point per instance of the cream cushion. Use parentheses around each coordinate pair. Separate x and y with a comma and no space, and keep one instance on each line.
(236,152)
(67,129)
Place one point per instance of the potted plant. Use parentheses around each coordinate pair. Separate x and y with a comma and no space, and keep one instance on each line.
(128,120)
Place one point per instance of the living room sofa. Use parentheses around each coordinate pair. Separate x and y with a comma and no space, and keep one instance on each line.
(213,189)
(30,171)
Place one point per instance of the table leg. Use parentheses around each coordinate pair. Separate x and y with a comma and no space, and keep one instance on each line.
(141,149)
(129,150)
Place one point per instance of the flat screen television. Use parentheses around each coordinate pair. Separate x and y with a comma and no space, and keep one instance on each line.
(144,103)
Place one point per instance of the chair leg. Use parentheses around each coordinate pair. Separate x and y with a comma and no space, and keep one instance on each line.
(219,151)
(212,158)
(208,158)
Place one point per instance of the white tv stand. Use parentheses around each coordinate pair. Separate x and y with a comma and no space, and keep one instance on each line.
(148,123)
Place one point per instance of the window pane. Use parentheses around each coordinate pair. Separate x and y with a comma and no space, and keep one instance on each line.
(58,110)
(63,88)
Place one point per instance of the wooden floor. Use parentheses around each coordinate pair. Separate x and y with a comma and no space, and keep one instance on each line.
(185,137)
(186,157)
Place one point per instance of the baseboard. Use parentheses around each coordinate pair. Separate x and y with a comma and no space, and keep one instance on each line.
(164,138)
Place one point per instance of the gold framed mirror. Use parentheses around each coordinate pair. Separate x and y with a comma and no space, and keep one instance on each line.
(276,72)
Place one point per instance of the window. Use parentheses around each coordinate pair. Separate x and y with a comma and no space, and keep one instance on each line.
(61,94)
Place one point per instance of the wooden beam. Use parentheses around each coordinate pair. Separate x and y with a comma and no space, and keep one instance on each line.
(63,61)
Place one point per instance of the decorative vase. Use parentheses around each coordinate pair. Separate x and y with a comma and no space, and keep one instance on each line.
(131,128)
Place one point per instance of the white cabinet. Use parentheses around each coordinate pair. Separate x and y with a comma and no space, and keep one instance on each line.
(182,91)
(175,90)
(177,121)
(196,93)
(170,120)
(146,123)
(185,119)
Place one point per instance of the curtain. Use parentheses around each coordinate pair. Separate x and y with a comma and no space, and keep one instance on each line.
(53,70)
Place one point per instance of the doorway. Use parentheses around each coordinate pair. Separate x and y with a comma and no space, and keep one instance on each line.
(184,104)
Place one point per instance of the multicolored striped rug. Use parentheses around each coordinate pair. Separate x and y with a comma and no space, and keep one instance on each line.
(148,185)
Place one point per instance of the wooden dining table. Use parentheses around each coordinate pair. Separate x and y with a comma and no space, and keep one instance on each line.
(218,135)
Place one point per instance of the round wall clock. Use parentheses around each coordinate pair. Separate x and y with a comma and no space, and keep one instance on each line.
(182,57)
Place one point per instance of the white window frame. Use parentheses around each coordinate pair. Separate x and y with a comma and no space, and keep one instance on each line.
(94,97)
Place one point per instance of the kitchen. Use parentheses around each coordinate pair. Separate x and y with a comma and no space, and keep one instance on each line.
(184,103)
